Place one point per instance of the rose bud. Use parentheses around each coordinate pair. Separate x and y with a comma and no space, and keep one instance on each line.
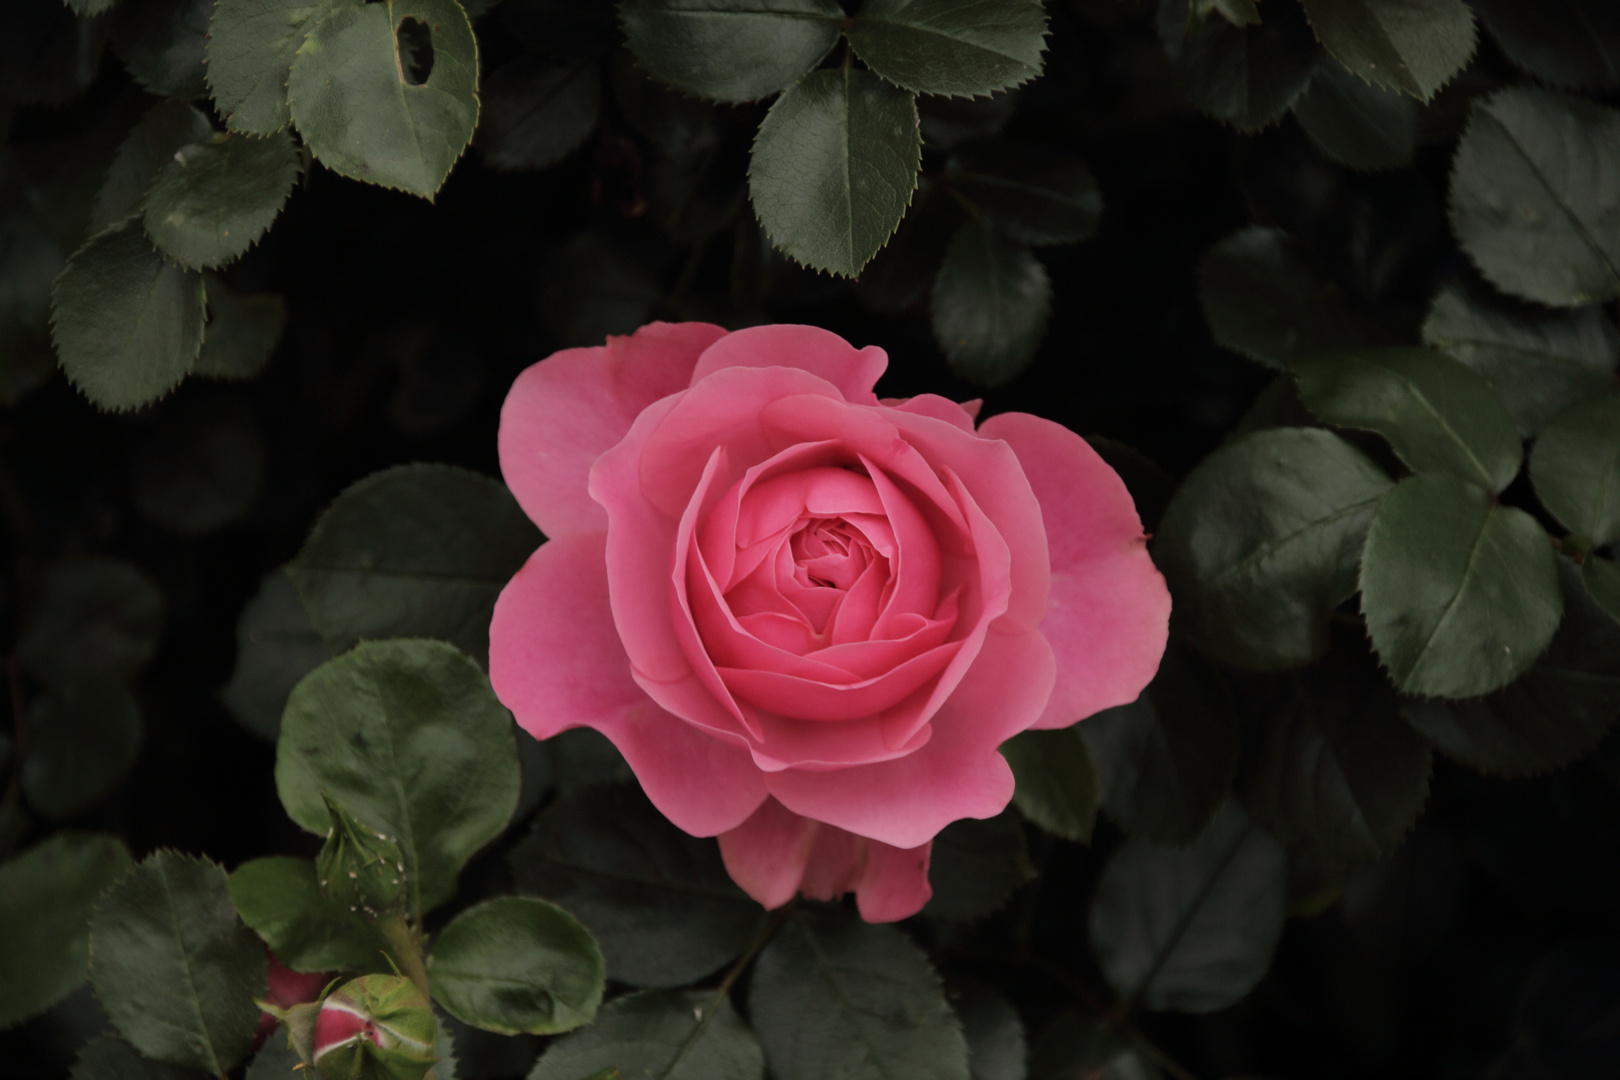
(287,988)
(360,866)
(376,1027)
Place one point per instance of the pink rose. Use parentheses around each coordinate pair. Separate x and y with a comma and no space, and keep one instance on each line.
(287,988)
(805,616)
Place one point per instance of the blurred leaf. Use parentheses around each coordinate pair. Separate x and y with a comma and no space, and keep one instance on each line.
(149,146)
(1276,406)
(659,901)
(409,736)
(1558,711)
(730,50)
(1247,76)
(1573,43)
(1078,1046)
(564,30)
(280,899)
(47,894)
(591,287)
(358,107)
(657,1033)
(1460,593)
(535,113)
(1056,781)
(175,970)
(948,122)
(93,614)
(275,647)
(1530,197)
(127,323)
(47,56)
(415,550)
(163,44)
(1039,198)
(1576,470)
(1166,761)
(107,1057)
(198,467)
(275,1061)
(975,867)
(992,301)
(1356,123)
(962,49)
(242,332)
(833,996)
(84,735)
(518,964)
(833,168)
(904,271)
(581,758)
(1261,543)
(668,119)
(1265,300)
(1236,12)
(1602,578)
(997,1049)
(1540,362)
(1414,46)
(251,45)
(215,198)
(1191,928)
(1150,486)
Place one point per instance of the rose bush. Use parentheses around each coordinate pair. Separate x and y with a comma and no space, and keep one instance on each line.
(808,617)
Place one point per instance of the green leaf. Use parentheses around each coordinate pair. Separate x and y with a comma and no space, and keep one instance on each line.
(992,301)
(1236,12)
(358,107)
(1165,762)
(1460,593)
(198,467)
(1057,783)
(1539,362)
(1576,470)
(83,737)
(251,46)
(975,866)
(1557,712)
(215,198)
(1602,578)
(1265,300)
(150,144)
(1035,197)
(275,1061)
(662,1034)
(275,647)
(126,322)
(1191,928)
(409,736)
(1261,543)
(163,44)
(279,898)
(242,332)
(1247,76)
(958,48)
(1356,123)
(903,272)
(1573,43)
(1331,767)
(93,614)
(518,964)
(730,50)
(659,901)
(833,996)
(1531,203)
(535,113)
(833,168)
(174,969)
(107,1057)
(1078,1045)
(413,551)
(1437,414)
(997,1049)
(46,896)
(591,287)
(1414,46)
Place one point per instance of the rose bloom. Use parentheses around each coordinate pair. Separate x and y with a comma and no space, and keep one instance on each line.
(807,617)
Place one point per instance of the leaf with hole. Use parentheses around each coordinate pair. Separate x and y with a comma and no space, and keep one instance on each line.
(1248,76)
(730,50)
(975,866)
(242,333)
(163,44)
(1356,123)
(84,736)
(93,614)
(1573,43)
(1036,197)
(671,1034)
(992,301)
(535,113)
(275,647)
(216,197)
(150,144)
(956,48)
(1414,46)
(251,46)
(279,898)
(1576,470)
(1056,783)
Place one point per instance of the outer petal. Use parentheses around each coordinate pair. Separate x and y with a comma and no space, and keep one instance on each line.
(820,352)
(766,854)
(1109,614)
(563,412)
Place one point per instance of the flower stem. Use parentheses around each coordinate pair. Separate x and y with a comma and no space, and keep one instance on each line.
(407,946)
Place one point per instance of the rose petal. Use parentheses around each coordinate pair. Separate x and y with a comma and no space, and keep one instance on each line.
(939,408)
(894,882)
(766,854)
(821,352)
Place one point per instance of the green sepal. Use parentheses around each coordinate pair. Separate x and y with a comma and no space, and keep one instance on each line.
(360,866)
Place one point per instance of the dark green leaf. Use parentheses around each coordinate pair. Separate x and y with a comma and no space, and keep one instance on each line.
(833,168)
(1356,123)
(1438,415)
(1573,43)
(1414,46)
(215,198)
(1034,197)
(280,900)
(84,736)
(1530,198)
(1261,543)
(1602,578)
(958,48)
(197,468)
(535,113)
(126,322)
(1540,362)
(275,647)
(93,614)
(1247,76)
(1080,1046)
(409,736)
(47,894)
(1276,406)
(659,901)
(1150,486)
(591,287)
(163,44)
(992,301)
(1191,928)
(1576,470)
(1236,12)
(730,50)
(47,56)
(904,271)
(175,970)
(355,99)
(581,758)
(275,1061)
(251,45)
(416,550)
(997,1049)
(1460,593)
(975,867)
(107,1057)
(242,332)
(657,1035)
(833,996)
(1166,761)
(150,144)
(518,964)
(1057,783)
